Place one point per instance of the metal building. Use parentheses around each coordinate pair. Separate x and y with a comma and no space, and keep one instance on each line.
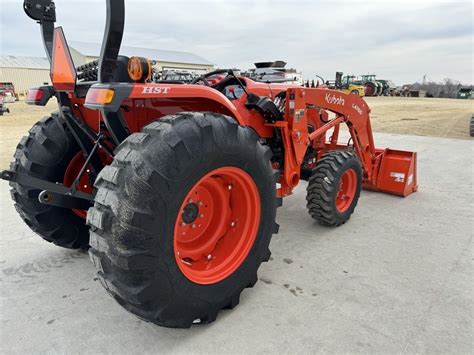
(83,52)
(24,72)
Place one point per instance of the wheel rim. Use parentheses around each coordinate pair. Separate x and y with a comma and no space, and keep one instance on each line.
(217,225)
(347,190)
(83,184)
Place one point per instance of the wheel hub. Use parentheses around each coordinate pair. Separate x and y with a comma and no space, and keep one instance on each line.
(217,225)
(190,213)
(84,184)
(347,190)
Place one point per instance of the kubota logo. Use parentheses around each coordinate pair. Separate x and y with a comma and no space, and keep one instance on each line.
(155,89)
(335,100)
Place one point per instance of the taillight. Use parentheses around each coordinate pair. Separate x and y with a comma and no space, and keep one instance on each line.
(35,95)
(99,96)
(40,95)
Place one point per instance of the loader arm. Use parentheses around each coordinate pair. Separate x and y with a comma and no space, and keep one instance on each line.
(386,170)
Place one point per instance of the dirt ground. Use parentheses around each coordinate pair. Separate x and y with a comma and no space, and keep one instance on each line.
(446,118)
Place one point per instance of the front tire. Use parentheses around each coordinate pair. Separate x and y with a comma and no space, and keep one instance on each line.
(155,248)
(334,187)
(45,154)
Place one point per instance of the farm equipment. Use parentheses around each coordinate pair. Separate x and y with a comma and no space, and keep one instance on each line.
(346,84)
(276,73)
(388,87)
(7,92)
(373,87)
(178,185)
(3,107)
(471,126)
(176,77)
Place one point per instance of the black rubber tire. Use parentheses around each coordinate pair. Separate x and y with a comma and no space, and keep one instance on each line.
(323,186)
(45,153)
(471,127)
(373,88)
(137,203)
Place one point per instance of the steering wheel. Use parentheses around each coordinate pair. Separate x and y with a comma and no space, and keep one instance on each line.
(203,78)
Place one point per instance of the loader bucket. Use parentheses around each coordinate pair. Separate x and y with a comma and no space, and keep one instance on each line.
(394,173)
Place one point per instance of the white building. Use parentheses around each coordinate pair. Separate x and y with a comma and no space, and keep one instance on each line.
(84,52)
(26,72)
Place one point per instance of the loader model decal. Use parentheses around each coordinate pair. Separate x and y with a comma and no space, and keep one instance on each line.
(357,108)
(334,100)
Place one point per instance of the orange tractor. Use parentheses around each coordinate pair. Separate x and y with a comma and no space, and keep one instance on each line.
(175,187)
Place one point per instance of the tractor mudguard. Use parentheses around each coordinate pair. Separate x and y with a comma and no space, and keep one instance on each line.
(161,92)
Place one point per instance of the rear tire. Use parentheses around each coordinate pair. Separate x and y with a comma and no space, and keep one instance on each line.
(370,89)
(45,153)
(334,188)
(138,208)
(471,127)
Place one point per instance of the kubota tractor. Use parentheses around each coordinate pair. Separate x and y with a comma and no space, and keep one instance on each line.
(175,187)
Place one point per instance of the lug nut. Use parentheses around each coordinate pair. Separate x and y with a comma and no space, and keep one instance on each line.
(201,215)
(193,226)
(229,187)
(232,224)
(209,257)
(200,203)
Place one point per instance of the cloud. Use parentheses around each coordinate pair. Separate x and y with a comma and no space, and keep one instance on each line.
(401,40)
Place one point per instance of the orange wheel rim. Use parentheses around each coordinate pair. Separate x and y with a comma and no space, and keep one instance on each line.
(217,225)
(347,190)
(83,184)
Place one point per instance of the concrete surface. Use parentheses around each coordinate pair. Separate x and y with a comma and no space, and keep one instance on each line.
(396,278)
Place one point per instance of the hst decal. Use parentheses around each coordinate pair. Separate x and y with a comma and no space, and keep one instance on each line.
(156,89)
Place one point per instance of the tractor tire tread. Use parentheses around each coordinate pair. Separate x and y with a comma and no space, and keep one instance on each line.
(122,247)
(323,183)
(43,153)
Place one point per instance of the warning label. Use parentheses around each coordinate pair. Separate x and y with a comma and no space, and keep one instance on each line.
(398,177)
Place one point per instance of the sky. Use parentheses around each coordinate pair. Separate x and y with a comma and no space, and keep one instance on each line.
(399,40)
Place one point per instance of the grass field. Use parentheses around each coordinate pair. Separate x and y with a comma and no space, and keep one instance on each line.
(446,118)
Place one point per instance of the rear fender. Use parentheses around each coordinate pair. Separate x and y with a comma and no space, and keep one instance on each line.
(183,92)
(165,92)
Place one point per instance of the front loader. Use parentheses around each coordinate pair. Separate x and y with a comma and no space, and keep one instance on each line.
(175,186)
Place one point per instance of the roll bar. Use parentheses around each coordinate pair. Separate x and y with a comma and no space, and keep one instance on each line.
(113,34)
(44,12)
